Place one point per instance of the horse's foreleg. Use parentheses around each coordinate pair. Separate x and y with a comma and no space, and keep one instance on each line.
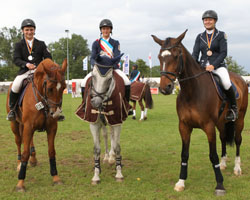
(185,133)
(134,110)
(95,130)
(238,140)
(223,162)
(32,160)
(18,140)
(51,134)
(211,135)
(112,151)
(105,136)
(117,149)
(142,110)
(27,135)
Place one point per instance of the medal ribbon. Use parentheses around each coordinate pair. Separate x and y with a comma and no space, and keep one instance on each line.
(28,46)
(209,41)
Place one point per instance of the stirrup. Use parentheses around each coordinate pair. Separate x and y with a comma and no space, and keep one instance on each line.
(232,115)
(11,116)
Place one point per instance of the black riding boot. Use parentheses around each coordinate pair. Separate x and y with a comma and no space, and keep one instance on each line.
(127,97)
(232,114)
(12,102)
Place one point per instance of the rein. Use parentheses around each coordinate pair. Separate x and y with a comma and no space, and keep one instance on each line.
(179,68)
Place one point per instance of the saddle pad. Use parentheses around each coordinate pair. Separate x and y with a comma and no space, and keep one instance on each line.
(220,89)
(22,92)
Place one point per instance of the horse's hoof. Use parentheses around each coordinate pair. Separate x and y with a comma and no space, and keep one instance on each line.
(237,172)
(178,188)
(119,180)
(95,182)
(223,167)
(134,117)
(145,118)
(219,192)
(20,189)
(58,182)
(33,164)
(111,161)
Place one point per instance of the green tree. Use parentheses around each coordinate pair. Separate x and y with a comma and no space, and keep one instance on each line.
(78,50)
(8,38)
(143,68)
(234,67)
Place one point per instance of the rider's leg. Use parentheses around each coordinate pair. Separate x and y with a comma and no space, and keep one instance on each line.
(14,94)
(126,82)
(225,79)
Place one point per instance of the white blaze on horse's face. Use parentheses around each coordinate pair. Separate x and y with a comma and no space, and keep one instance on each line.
(58,86)
(163,54)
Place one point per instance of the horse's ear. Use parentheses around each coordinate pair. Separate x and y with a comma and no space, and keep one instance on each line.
(157,40)
(64,65)
(180,38)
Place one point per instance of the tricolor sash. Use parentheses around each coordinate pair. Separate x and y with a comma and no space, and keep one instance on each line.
(136,77)
(106,47)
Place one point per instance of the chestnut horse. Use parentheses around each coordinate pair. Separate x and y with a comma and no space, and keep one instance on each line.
(198,106)
(39,111)
(139,92)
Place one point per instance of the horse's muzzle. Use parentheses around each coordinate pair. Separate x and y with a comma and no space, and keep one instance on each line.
(55,113)
(168,89)
(96,102)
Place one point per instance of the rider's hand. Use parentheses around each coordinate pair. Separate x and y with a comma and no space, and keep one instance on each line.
(30,66)
(210,68)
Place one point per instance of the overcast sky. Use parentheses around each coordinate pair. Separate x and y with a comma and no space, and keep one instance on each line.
(134,22)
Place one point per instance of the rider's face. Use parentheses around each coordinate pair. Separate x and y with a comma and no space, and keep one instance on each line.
(28,32)
(106,32)
(209,23)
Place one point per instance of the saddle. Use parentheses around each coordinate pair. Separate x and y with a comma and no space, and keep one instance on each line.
(116,107)
(219,88)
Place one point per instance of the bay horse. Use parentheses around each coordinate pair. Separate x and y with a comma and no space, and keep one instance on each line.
(139,92)
(198,106)
(39,111)
(104,94)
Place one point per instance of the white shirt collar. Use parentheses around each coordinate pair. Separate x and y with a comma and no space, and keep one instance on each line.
(209,31)
(30,42)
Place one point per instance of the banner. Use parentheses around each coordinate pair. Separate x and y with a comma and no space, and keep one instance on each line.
(150,60)
(126,65)
(85,63)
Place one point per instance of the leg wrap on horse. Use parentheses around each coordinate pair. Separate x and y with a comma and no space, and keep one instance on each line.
(184,164)
(32,149)
(53,170)
(216,166)
(22,172)
(98,165)
(118,161)
(19,157)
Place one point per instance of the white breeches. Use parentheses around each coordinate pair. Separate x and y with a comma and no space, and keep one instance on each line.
(118,71)
(224,76)
(17,83)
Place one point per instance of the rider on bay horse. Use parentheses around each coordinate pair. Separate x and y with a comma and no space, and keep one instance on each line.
(107,46)
(212,44)
(28,53)
(135,74)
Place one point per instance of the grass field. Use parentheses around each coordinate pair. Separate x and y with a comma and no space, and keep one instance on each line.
(151,158)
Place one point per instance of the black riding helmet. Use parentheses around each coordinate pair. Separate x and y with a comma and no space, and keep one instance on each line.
(28,23)
(210,14)
(107,23)
(135,65)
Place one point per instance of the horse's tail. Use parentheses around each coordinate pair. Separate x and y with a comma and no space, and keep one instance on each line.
(230,132)
(148,97)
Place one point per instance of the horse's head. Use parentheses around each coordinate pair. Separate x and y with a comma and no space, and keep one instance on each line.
(170,57)
(50,83)
(102,84)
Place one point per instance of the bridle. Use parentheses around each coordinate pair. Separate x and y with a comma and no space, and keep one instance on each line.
(179,68)
(48,103)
